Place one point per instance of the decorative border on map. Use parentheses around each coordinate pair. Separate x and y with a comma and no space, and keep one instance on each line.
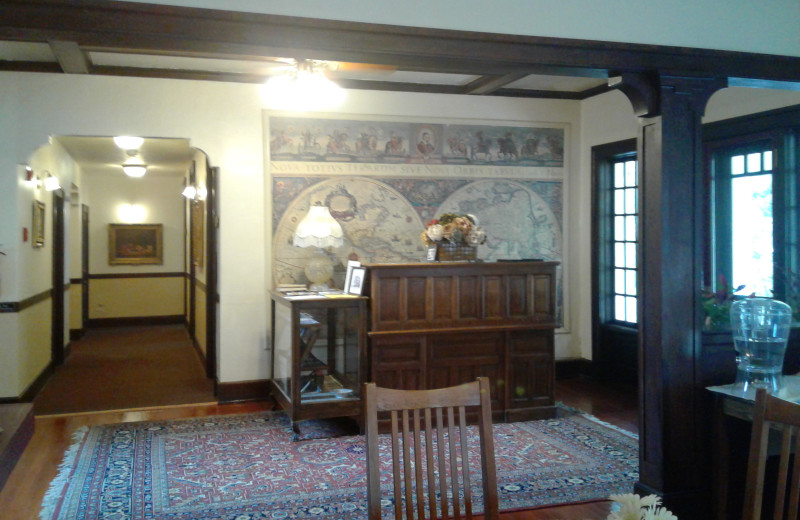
(372,141)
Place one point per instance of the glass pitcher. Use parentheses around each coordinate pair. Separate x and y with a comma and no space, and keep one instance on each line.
(760,328)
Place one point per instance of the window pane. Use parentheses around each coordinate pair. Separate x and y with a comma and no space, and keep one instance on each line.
(630,309)
(619,281)
(619,202)
(619,255)
(619,175)
(619,308)
(752,234)
(630,173)
(753,162)
(630,200)
(630,228)
(630,255)
(768,161)
(737,165)
(630,282)
(619,228)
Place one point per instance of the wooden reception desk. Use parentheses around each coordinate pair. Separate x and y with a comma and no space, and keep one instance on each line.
(439,324)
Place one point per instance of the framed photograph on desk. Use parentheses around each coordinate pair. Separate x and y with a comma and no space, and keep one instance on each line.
(357,281)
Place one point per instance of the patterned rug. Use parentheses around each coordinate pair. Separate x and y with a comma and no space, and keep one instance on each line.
(247,467)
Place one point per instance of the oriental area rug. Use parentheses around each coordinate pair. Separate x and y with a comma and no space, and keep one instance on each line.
(247,467)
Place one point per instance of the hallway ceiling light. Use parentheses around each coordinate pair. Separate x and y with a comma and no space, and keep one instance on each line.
(134,170)
(127,142)
(304,88)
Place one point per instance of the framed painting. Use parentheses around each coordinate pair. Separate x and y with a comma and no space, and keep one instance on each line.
(198,216)
(136,244)
(38,223)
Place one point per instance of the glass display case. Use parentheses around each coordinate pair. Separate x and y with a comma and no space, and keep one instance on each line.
(318,355)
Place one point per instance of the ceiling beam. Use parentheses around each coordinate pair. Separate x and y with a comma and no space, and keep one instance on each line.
(160,28)
(70,56)
(489,84)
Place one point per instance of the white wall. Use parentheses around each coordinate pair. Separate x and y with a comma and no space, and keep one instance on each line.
(736,25)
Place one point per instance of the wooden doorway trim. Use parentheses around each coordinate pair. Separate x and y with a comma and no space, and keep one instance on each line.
(212,291)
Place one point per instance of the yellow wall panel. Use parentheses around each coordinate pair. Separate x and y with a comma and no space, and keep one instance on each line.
(75,300)
(135,297)
(35,334)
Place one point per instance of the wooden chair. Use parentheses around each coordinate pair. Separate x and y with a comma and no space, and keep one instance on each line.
(773,411)
(413,435)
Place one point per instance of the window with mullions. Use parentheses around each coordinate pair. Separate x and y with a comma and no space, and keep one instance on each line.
(625,197)
(743,180)
(754,174)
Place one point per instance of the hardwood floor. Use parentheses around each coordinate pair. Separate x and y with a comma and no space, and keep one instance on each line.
(22,495)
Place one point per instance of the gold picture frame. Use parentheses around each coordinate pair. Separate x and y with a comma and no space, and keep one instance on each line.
(135,244)
(198,211)
(38,224)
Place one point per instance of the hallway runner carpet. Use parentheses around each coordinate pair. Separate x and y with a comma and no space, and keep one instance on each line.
(246,467)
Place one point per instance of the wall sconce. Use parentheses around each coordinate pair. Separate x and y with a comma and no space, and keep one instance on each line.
(304,88)
(195,193)
(51,183)
(320,230)
(131,213)
(134,170)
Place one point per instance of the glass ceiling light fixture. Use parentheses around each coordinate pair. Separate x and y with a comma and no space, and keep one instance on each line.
(306,88)
(319,230)
(134,170)
(128,142)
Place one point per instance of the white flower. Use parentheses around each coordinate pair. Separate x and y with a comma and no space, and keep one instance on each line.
(634,507)
(658,513)
(435,232)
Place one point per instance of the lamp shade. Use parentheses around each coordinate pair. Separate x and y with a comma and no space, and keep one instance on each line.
(318,229)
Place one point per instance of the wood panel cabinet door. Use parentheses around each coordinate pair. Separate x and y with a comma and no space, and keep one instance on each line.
(460,358)
(398,361)
(531,369)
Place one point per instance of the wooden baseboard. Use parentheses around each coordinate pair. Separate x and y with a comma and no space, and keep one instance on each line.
(76,334)
(136,320)
(567,368)
(243,391)
(33,389)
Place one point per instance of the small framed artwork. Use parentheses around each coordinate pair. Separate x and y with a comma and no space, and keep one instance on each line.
(135,244)
(38,224)
(351,264)
(357,280)
(430,254)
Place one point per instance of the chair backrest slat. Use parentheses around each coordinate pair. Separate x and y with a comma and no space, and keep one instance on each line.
(444,448)
(772,411)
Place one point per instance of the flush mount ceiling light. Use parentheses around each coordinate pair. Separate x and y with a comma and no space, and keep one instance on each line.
(303,88)
(134,170)
(128,142)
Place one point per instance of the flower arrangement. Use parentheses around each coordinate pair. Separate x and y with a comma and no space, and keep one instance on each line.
(634,507)
(456,229)
(717,304)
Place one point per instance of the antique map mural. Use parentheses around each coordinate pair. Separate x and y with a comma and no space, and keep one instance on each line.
(383,201)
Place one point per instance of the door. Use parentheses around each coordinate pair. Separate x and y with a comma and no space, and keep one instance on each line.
(84,266)
(57,325)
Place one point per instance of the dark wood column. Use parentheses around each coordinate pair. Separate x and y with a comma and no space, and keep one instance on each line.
(672,442)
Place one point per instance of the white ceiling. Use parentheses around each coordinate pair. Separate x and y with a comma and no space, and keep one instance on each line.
(163,157)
